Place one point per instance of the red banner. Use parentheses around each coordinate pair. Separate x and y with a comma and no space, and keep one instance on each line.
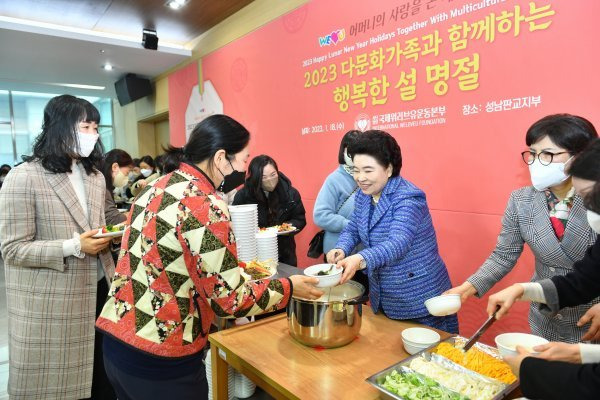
(456,82)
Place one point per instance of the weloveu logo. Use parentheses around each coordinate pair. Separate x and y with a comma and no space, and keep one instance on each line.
(333,38)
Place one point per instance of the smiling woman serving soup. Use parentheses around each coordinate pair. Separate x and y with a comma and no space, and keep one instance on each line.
(392,221)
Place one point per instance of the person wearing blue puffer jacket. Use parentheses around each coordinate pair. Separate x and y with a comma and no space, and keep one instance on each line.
(335,200)
(392,221)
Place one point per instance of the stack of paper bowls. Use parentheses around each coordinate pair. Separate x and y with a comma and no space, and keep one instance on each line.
(231,378)
(244,387)
(244,220)
(266,243)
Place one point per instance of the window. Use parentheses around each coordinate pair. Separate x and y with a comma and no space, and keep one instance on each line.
(21,123)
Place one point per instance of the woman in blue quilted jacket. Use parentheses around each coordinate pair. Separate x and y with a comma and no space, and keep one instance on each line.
(392,221)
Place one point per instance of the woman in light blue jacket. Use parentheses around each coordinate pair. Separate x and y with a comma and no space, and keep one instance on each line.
(335,201)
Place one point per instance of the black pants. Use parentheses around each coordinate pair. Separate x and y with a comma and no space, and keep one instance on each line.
(192,386)
(101,387)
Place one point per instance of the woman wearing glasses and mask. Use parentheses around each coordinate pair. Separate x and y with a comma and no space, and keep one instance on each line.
(563,370)
(550,217)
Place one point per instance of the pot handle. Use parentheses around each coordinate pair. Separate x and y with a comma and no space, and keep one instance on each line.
(360,300)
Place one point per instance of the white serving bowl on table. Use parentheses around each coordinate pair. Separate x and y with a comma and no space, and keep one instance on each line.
(443,305)
(330,280)
(418,339)
(507,343)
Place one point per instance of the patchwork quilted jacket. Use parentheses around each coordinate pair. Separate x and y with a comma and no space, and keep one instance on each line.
(178,269)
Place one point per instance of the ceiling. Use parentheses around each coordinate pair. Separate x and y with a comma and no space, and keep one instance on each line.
(45,42)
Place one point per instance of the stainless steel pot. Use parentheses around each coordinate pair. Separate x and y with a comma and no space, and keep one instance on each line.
(333,320)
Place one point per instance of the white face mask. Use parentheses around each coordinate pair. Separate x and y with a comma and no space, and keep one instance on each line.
(132,175)
(545,176)
(87,142)
(146,172)
(348,163)
(594,220)
(270,184)
(120,179)
(347,159)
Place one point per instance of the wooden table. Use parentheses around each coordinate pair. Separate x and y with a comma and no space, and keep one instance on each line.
(265,352)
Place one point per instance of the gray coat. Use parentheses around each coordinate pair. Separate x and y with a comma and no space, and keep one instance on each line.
(526,220)
(51,300)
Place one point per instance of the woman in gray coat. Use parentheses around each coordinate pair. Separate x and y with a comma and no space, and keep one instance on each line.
(549,217)
(51,206)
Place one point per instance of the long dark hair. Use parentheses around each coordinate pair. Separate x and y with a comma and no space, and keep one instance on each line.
(122,158)
(159,162)
(170,162)
(54,146)
(148,160)
(254,185)
(214,133)
(586,165)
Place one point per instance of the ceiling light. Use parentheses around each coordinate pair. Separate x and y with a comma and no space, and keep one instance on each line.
(75,85)
(107,67)
(176,4)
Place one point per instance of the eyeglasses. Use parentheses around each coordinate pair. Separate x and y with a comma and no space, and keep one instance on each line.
(545,157)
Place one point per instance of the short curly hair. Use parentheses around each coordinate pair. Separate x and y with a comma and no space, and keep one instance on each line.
(568,131)
(381,146)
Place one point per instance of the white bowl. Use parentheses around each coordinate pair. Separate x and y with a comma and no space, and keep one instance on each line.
(507,343)
(421,336)
(325,280)
(245,231)
(263,253)
(445,304)
(238,217)
(245,221)
(245,225)
(412,348)
(267,249)
(418,339)
(246,234)
(266,246)
(267,243)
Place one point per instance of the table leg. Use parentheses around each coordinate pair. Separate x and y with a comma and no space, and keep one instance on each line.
(219,375)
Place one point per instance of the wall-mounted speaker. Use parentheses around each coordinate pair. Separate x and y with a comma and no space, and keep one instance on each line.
(131,87)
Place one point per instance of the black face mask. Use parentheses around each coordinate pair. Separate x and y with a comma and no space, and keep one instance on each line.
(232,181)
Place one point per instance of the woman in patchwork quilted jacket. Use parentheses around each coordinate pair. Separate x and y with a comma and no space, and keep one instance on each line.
(178,269)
